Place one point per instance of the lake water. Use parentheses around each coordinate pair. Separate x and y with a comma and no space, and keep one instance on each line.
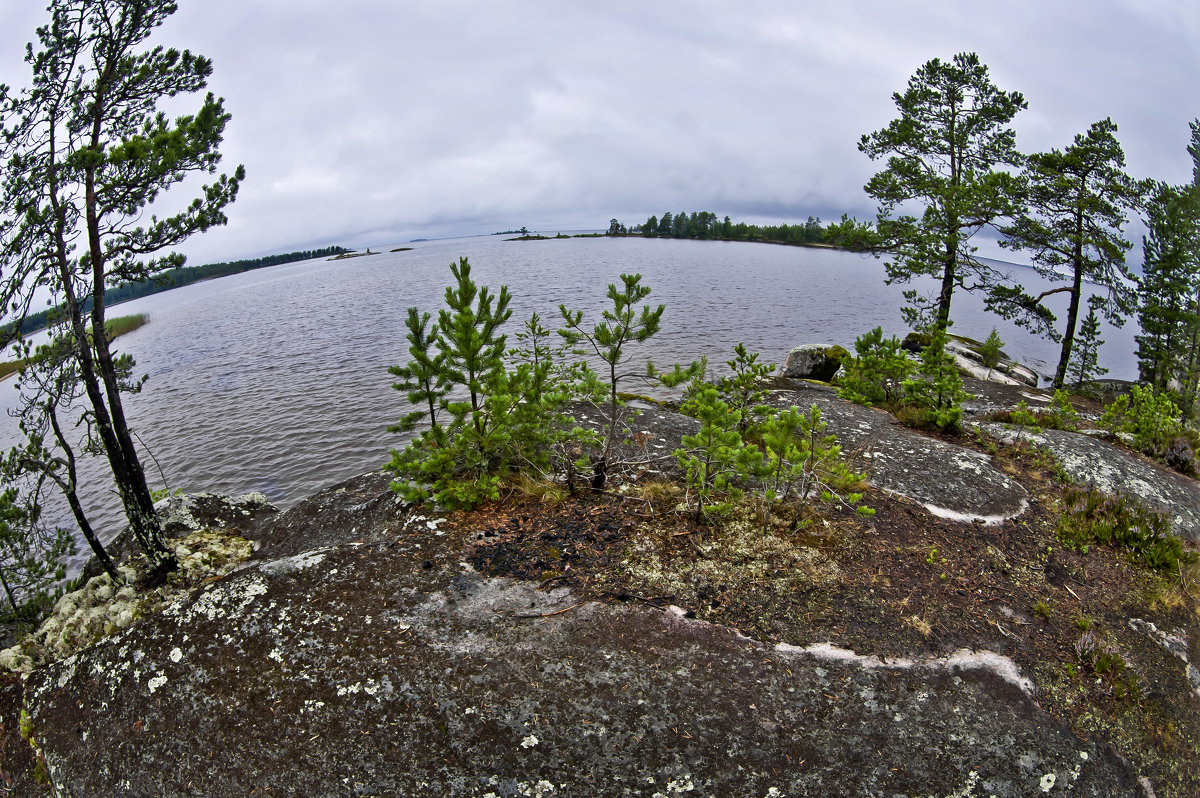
(276,380)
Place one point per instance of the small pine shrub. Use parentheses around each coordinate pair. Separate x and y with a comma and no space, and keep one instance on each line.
(1022,418)
(937,388)
(876,373)
(991,350)
(803,462)
(716,460)
(1152,419)
(743,391)
(1061,414)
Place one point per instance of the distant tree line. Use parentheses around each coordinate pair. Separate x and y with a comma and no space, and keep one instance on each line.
(164,281)
(706,225)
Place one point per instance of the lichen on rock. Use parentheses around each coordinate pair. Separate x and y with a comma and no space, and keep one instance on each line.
(101,607)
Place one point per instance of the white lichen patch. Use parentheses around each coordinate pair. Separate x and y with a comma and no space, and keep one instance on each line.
(370,687)
(176,654)
(224,599)
(968,789)
(676,787)
(541,789)
(156,682)
(530,741)
(299,562)
(101,608)
(78,620)
(1047,782)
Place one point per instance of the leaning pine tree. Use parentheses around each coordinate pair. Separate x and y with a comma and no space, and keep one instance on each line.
(87,153)
(1078,200)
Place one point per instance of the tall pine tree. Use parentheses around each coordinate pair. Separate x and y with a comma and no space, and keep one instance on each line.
(1078,199)
(947,152)
(1169,285)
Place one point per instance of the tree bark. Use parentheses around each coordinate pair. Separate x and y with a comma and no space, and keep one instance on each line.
(1073,311)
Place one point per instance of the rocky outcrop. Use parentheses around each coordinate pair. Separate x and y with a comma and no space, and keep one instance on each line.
(1090,460)
(813,362)
(379,664)
(970,360)
(951,481)
(357,653)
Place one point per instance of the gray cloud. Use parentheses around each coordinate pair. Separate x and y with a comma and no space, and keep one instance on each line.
(367,122)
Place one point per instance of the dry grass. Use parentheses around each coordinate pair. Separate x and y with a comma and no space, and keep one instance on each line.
(544,490)
(115,327)
(119,325)
(919,624)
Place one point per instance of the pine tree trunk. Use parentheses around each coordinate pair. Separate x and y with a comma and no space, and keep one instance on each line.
(109,417)
(1073,311)
(1069,333)
(947,292)
(12,601)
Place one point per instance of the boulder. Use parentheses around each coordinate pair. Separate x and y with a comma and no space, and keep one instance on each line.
(970,362)
(813,362)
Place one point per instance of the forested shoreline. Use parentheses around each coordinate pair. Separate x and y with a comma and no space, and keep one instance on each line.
(707,225)
(165,281)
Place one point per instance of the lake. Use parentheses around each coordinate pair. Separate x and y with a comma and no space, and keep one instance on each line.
(276,380)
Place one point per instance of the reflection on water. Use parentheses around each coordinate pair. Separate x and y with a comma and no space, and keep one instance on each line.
(276,380)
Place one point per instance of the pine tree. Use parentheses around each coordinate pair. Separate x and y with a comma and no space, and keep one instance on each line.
(1078,200)
(87,153)
(608,341)
(423,379)
(716,460)
(1085,361)
(31,554)
(1169,285)
(947,152)
(876,374)
(473,345)
(937,387)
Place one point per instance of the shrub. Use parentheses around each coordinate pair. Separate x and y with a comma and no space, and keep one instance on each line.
(1119,521)
(1061,414)
(937,388)
(716,459)
(487,418)
(1023,418)
(743,390)
(874,376)
(803,462)
(990,350)
(1118,678)
(1152,419)
(609,340)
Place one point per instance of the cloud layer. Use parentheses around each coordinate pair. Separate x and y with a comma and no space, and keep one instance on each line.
(368,123)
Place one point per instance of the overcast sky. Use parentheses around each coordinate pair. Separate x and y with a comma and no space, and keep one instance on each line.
(371,122)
